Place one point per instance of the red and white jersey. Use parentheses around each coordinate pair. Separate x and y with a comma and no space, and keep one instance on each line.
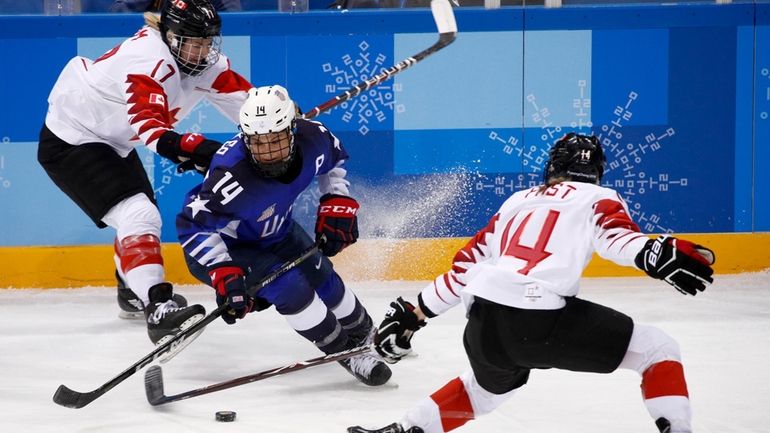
(134,93)
(535,248)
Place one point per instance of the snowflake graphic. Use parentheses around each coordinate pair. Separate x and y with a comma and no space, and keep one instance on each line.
(622,158)
(370,106)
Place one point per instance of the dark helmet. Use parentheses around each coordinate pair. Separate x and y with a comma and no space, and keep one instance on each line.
(576,157)
(183,20)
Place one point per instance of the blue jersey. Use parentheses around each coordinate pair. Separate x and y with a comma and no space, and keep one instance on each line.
(235,205)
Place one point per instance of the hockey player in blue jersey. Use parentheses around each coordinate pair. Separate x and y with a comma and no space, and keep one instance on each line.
(237,227)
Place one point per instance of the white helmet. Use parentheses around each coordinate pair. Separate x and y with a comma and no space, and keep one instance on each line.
(268,124)
(267,109)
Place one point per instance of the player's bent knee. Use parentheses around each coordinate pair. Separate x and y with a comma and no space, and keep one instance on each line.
(483,401)
(649,345)
(136,215)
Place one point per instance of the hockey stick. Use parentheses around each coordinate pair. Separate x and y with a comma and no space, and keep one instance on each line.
(153,377)
(447,28)
(67,397)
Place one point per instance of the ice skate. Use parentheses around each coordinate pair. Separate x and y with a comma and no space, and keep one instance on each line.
(393,428)
(367,367)
(663,425)
(165,318)
(131,307)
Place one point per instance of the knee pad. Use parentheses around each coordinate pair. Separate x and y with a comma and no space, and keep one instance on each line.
(135,251)
(649,345)
(133,216)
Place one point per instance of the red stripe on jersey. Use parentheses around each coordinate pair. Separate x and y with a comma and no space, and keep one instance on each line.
(619,238)
(435,289)
(139,250)
(664,379)
(454,404)
(631,240)
(156,134)
(504,238)
(155,69)
(448,284)
(613,215)
(151,124)
(474,242)
(140,87)
(230,81)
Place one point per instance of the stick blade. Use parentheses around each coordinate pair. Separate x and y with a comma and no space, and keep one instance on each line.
(153,385)
(444,16)
(75,400)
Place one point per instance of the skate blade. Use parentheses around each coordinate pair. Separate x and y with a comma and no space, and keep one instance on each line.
(179,345)
(131,315)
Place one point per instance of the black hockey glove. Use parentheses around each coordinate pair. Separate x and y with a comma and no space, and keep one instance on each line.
(681,263)
(393,337)
(337,221)
(190,151)
(229,282)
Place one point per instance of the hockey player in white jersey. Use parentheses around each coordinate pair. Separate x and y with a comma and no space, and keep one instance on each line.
(518,279)
(100,110)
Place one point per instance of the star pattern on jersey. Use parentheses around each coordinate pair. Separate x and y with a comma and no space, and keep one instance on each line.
(198,205)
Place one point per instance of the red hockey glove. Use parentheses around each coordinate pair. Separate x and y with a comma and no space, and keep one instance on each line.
(190,151)
(681,263)
(337,221)
(229,282)
(393,337)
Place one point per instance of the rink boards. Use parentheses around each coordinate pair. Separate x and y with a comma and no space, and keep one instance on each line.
(679,95)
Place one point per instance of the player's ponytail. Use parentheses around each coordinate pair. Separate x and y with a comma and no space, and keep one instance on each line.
(152,20)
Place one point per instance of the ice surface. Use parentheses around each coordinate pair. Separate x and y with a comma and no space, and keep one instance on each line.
(74,337)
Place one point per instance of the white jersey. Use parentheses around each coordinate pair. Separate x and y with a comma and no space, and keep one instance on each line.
(535,248)
(134,93)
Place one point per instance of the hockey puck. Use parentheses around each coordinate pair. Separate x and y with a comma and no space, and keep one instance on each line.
(225,416)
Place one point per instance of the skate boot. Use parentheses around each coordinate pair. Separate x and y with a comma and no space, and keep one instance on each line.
(131,307)
(165,318)
(393,428)
(663,425)
(367,367)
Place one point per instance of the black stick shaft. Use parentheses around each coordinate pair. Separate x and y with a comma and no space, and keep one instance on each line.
(441,16)
(154,379)
(67,397)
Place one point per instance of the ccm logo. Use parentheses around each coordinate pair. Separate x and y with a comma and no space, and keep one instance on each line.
(339,210)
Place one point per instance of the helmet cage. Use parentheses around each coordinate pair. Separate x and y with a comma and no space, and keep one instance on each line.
(576,157)
(272,153)
(191,29)
(193,54)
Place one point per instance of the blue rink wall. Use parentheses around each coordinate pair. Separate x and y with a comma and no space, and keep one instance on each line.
(679,94)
